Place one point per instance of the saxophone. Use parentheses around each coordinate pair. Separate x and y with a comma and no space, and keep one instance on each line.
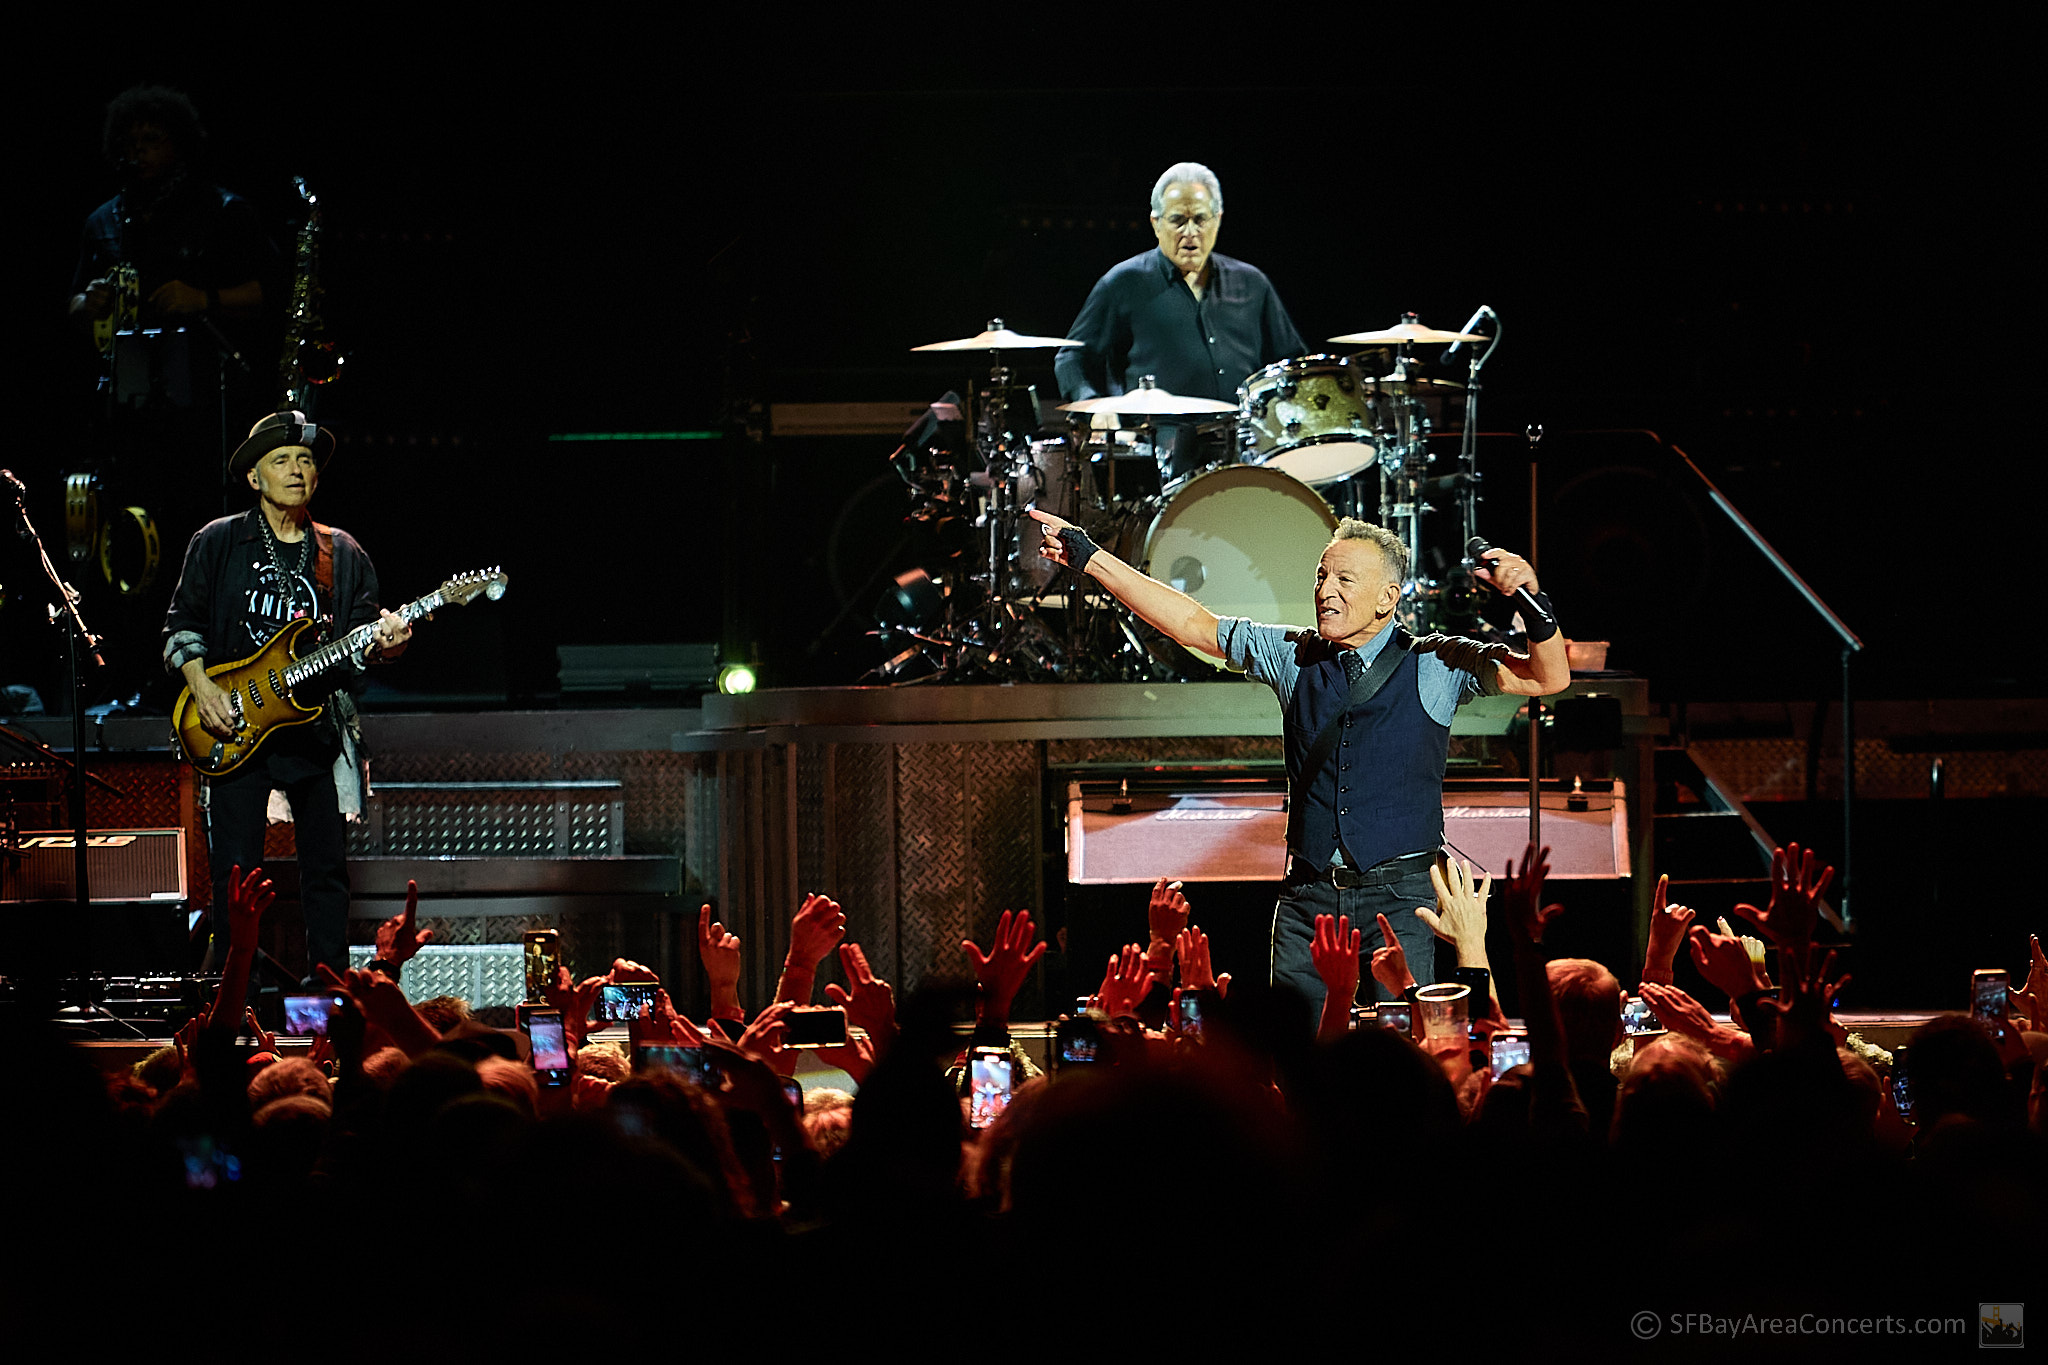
(309,359)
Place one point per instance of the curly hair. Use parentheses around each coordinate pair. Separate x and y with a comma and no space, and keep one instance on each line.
(170,110)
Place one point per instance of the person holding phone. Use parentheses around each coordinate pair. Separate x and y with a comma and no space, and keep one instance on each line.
(1368,712)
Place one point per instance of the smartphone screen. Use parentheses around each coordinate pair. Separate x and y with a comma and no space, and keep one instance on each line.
(543,954)
(1192,1007)
(1987,994)
(794,1090)
(815,1026)
(625,1001)
(1902,1085)
(1510,1050)
(1077,1042)
(306,1016)
(550,1048)
(1397,1015)
(988,1079)
(1638,1018)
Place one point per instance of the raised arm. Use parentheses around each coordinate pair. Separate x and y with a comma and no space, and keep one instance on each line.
(1168,610)
(1544,669)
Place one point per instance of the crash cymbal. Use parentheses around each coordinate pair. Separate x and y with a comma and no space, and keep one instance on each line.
(1149,400)
(998,338)
(1406,334)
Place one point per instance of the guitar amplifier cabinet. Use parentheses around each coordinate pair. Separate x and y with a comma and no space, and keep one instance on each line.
(122,865)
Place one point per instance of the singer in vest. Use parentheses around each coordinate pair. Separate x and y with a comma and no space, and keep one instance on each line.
(245,578)
(1368,724)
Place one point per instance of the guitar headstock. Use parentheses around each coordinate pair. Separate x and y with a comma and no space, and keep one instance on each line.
(466,587)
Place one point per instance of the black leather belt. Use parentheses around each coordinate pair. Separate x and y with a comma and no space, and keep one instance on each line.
(1348,878)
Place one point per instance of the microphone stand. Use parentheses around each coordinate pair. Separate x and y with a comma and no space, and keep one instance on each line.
(1851,647)
(75,634)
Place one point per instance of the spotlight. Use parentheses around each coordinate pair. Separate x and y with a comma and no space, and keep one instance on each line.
(737,679)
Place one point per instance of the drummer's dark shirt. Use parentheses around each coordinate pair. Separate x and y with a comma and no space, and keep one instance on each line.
(1141,318)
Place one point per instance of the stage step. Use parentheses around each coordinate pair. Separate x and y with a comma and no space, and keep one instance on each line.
(1706,836)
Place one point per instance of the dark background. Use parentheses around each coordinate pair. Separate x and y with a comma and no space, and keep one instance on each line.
(1793,257)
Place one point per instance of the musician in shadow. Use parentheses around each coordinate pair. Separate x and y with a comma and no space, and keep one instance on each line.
(246,577)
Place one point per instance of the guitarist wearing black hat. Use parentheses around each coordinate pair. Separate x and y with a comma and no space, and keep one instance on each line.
(245,578)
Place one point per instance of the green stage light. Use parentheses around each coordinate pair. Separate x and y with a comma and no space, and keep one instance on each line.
(736,679)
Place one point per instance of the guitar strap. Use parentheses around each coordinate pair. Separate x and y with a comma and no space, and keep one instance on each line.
(323,566)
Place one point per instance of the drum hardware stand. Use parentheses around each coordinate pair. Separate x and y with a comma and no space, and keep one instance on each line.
(1535,702)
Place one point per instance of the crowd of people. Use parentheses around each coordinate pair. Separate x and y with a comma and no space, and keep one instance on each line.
(1274,1171)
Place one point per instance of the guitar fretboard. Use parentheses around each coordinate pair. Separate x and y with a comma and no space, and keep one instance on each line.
(357,640)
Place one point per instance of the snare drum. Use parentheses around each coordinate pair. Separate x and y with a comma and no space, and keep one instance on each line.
(1243,541)
(1314,417)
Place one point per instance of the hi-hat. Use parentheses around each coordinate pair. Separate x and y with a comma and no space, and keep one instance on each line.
(1406,334)
(998,338)
(1149,400)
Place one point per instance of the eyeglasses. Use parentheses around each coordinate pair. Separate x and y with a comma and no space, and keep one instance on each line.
(1200,222)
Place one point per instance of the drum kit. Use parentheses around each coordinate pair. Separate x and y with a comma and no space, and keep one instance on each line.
(1231,503)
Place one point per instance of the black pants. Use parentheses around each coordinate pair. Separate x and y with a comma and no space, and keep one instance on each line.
(303,770)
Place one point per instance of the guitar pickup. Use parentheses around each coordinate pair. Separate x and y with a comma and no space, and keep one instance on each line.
(254,695)
(276,684)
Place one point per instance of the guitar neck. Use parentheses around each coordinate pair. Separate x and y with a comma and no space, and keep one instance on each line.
(357,640)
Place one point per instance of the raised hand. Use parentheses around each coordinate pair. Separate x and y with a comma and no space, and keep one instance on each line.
(1197,973)
(1125,983)
(1680,1013)
(1460,915)
(266,1041)
(625,969)
(1389,962)
(1522,894)
(1167,914)
(762,1039)
(1334,952)
(248,898)
(1797,889)
(1724,960)
(1805,994)
(321,1053)
(2032,1002)
(870,1005)
(816,930)
(720,953)
(1001,971)
(1668,924)
(662,1026)
(384,1005)
(574,1001)
(399,938)
(856,1059)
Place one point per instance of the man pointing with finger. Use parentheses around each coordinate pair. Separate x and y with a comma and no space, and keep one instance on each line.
(1367,723)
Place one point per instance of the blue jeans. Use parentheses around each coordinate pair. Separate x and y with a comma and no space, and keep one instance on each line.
(1393,888)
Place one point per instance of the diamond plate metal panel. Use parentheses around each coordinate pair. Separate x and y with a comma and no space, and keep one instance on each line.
(1774,769)
(864,851)
(966,821)
(462,767)
(486,975)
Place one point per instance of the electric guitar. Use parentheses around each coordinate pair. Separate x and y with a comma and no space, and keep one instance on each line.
(259,687)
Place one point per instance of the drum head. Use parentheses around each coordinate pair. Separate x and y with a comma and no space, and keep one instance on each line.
(1243,541)
(1325,461)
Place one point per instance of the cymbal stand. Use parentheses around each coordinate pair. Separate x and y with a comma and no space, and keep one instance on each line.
(1469,495)
(1404,463)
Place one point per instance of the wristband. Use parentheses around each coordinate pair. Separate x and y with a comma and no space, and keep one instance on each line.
(386,966)
(1544,626)
(1080,549)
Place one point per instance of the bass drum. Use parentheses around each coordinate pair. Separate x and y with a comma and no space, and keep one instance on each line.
(1243,541)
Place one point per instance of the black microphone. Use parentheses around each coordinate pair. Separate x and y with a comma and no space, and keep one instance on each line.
(1482,312)
(1532,610)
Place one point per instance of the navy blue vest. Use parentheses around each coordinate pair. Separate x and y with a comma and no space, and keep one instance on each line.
(1382,787)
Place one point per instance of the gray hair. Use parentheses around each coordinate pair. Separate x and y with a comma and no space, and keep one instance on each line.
(1393,553)
(1187,173)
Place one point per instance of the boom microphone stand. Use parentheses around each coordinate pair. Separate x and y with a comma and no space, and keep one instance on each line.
(75,636)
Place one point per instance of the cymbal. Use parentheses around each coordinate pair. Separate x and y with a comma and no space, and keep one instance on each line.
(998,338)
(1149,400)
(1406,334)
